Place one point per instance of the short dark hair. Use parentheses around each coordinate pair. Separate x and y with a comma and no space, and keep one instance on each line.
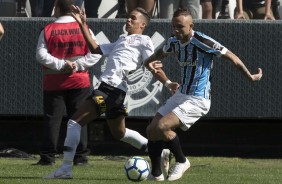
(65,6)
(145,14)
(182,11)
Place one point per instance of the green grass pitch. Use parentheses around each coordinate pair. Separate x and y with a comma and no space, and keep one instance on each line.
(103,170)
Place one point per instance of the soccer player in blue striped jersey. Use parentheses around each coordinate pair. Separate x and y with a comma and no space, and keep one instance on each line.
(194,52)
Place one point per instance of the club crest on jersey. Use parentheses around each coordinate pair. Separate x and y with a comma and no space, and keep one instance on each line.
(134,39)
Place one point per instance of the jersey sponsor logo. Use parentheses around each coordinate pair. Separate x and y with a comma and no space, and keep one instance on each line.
(187,63)
(141,89)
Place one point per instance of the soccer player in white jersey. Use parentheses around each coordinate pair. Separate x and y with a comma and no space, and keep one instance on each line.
(194,52)
(124,55)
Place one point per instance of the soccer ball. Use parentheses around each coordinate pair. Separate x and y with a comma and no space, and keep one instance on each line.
(136,168)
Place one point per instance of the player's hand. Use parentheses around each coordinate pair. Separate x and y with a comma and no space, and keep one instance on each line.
(155,66)
(69,66)
(258,76)
(78,15)
(173,87)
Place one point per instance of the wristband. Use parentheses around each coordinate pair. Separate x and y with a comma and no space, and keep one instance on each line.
(167,82)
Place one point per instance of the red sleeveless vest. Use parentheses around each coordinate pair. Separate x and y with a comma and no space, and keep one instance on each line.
(65,40)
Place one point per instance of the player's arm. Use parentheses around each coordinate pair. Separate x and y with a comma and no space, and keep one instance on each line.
(80,17)
(153,64)
(240,65)
(150,64)
(89,59)
(45,58)
(1,31)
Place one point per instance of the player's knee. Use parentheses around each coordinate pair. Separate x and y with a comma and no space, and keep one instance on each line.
(150,131)
(118,134)
(169,135)
(154,132)
(162,130)
(162,127)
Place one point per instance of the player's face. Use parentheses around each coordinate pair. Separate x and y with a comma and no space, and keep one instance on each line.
(182,27)
(135,23)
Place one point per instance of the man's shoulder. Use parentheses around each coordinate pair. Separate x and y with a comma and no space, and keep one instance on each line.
(147,38)
(201,36)
(172,39)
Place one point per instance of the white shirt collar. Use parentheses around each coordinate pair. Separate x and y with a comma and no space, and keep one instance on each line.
(186,43)
(65,19)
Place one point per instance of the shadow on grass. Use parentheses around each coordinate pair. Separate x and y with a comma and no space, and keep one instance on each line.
(201,165)
(77,178)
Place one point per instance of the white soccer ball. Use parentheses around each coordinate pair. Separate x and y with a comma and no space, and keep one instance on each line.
(136,168)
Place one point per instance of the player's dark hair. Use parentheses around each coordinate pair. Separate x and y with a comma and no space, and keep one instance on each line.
(145,15)
(65,6)
(182,11)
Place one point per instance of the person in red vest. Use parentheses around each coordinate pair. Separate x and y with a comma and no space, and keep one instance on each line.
(65,57)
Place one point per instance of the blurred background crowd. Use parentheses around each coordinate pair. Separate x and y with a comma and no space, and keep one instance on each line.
(162,9)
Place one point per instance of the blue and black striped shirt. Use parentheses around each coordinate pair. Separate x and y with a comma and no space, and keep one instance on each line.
(195,59)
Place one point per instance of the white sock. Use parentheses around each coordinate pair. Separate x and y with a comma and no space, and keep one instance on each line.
(134,138)
(71,142)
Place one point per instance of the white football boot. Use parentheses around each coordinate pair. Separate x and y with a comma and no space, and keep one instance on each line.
(178,170)
(60,173)
(155,178)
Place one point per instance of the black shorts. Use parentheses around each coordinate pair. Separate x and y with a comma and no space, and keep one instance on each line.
(109,100)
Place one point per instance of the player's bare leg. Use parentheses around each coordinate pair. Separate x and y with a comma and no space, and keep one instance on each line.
(120,132)
(160,132)
(86,113)
(166,127)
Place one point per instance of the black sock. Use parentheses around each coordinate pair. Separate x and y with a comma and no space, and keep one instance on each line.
(175,147)
(155,150)
(144,148)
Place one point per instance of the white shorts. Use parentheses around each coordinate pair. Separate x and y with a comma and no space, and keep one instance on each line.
(187,108)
